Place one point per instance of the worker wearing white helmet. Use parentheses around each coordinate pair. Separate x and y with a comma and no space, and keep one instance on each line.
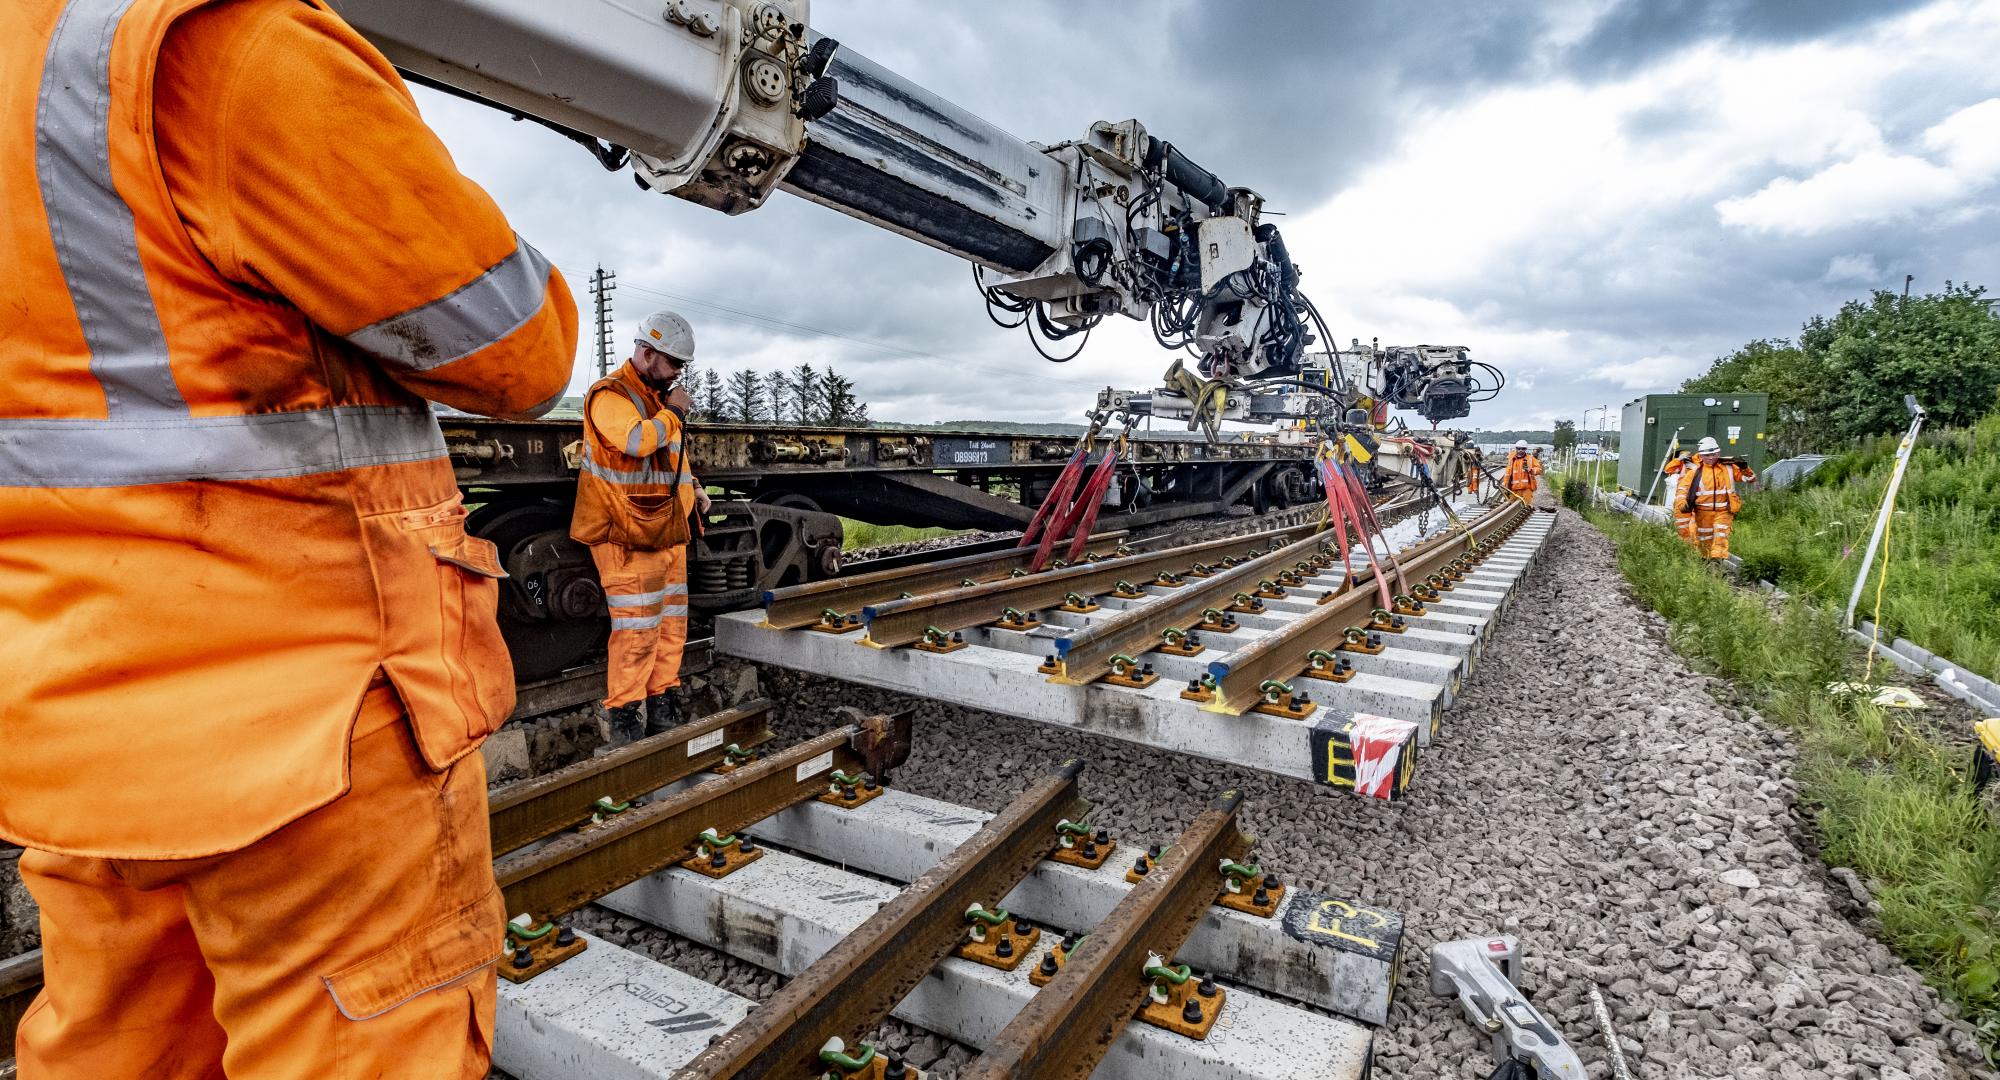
(1524,472)
(637,506)
(1706,498)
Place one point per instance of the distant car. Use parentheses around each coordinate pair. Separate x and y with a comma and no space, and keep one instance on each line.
(1586,452)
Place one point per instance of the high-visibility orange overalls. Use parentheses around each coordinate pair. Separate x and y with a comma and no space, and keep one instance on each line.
(1681,469)
(1523,472)
(1712,494)
(633,501)
(250,648)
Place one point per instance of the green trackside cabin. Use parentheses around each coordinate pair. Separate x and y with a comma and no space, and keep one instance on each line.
(1653,424)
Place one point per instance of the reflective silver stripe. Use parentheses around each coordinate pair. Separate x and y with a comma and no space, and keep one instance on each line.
(635,440)
(477,314)
(647,475)
(645,622)
(65,453)
(660,436)
(675,590)
(637,599)
(675,609)
(96,242)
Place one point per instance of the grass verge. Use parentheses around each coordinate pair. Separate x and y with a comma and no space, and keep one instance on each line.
(1943,549)
(1884,797)
(860,534)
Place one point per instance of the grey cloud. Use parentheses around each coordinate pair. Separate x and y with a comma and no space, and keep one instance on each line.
(1634,33)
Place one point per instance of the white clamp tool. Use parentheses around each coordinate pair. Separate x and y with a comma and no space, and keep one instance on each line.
(1482,973)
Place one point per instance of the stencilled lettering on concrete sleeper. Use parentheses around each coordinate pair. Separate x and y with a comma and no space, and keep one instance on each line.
(1345,925)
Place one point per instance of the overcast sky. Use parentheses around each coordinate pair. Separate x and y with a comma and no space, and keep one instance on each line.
(1598,196)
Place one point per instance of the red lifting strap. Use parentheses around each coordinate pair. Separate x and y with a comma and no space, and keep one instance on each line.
(1058,496)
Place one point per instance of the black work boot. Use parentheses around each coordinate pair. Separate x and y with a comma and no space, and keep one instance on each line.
(663,713)
(626,723)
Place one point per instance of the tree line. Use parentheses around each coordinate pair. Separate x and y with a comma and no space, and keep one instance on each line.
(1844,376)
(803,395)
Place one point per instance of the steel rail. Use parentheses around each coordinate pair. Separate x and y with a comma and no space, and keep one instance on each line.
(570,871)
(20,981)
(795,606)
(905,621)
(1280,654)
(1067,1028)
(850,990)
(1086,655)
(528,810)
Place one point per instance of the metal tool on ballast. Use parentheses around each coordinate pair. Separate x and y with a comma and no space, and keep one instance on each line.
(1483,974)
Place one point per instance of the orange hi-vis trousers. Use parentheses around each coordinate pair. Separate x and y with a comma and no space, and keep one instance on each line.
(647,593)
(1711,533)
(356,941)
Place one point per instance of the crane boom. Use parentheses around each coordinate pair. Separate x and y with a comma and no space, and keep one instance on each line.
(723,102)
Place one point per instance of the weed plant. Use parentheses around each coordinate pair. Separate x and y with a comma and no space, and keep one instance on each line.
(1884,797)
(860,534)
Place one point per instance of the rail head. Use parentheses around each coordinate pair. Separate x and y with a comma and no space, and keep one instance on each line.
(1069,1025)
(851,989)
(550,881)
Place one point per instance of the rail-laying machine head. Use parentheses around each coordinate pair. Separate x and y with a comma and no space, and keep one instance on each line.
(723,102)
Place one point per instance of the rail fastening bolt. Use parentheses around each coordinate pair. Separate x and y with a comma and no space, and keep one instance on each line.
(1049,964)
(1142,867)
(1191,1012)
(1004,948)
(523,959)
(565,936)
(1206,987)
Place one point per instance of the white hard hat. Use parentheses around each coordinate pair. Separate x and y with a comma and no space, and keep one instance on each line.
(1708,446)
(667,332)
(1520,444)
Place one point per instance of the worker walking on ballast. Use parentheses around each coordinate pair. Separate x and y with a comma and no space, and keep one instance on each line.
(252,651)
(1711,497)
(1524,472)
(635,501)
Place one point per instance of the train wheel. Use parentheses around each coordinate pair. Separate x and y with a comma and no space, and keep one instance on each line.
(542,639)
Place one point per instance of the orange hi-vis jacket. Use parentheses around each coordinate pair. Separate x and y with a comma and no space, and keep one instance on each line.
(635,489)
(1713,487)
(227,507)
(1522,469)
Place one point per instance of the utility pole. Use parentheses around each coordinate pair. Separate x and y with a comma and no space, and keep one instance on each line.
(601,284)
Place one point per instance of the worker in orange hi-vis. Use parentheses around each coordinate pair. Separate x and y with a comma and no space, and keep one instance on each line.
(1524,471)
(634,499)
(1711,495)
(251,650)
(1470,456)
(1681,468)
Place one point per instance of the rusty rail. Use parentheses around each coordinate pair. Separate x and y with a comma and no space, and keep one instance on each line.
(540,806)
(1086,655)
(1067,1028)
(1280,654)
(849,991)
(801,605)
(20,981)
(571,871)
(904,621)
